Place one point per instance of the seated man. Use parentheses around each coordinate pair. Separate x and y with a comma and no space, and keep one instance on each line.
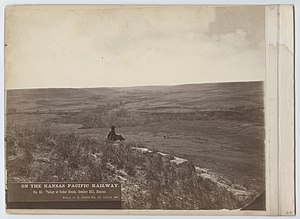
(112,136)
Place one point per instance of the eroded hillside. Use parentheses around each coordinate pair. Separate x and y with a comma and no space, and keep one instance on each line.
(149,179)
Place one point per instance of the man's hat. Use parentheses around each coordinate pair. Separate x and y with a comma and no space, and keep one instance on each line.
(112,127)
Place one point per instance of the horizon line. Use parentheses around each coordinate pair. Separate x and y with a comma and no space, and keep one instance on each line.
(133,86)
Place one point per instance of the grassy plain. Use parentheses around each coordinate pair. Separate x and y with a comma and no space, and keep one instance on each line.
(218,126)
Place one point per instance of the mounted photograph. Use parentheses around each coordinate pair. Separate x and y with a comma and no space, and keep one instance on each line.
(136,107)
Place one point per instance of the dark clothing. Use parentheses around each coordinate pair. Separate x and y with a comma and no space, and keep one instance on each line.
(112,136)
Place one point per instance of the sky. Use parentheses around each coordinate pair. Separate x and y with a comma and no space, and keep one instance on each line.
(114,46)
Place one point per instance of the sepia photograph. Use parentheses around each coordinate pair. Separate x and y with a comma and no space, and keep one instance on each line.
(135,107)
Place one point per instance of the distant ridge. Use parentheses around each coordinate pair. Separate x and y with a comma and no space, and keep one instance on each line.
(135,87)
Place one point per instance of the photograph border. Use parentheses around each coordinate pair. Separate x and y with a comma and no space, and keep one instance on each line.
(282,108)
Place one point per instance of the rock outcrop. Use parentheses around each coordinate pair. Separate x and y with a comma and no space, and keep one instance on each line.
(156,180)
